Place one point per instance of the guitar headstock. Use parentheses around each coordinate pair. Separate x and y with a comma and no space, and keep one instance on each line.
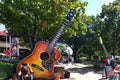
(70,14)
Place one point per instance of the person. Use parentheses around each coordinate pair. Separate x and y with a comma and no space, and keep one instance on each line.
(14,77)
(14,50)
(23,73)
(107,60)
(117,69)
(113,74)
(71,60)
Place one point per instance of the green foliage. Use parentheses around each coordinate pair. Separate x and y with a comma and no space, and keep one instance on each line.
(36,20)
(105,25)
(6,69)
(61,47)
(110,30)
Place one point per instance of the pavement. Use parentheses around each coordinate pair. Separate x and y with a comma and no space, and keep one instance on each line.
(80,71)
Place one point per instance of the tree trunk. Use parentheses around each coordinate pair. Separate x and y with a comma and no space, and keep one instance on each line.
(74,53)
(113,49)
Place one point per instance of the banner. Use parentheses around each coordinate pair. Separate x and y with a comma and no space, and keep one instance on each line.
(14,46)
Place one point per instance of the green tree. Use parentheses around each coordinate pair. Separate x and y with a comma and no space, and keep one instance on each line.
(96,31)
(35,20)
(110,31)
(78,41)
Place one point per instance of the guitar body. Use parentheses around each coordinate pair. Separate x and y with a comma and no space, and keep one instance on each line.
(41,63)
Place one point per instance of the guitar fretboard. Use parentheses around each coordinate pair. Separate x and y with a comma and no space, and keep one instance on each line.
(57,36)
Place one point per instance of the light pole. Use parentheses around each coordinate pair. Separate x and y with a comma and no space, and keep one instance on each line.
(105,50)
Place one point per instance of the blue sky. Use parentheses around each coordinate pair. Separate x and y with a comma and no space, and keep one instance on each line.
(93,8)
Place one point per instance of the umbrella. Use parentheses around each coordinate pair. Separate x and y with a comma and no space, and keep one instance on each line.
(69,51)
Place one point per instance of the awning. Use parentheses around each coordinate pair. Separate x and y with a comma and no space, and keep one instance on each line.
(3,30)
(3,33)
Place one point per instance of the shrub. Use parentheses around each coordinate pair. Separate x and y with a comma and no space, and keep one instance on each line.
(7,68)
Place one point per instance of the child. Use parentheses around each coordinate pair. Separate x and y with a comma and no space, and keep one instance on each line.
(23,73)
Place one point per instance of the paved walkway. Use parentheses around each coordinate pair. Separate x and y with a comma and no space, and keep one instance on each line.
(82,72)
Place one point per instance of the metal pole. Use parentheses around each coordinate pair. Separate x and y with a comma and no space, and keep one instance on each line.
(10,44)
(103,46)
(6,41)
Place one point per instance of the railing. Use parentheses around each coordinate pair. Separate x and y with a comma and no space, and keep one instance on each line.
(2,54)
(3,44)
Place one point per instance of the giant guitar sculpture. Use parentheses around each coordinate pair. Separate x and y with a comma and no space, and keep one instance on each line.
(44,56)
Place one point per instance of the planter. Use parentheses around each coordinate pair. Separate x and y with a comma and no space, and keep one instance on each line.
(59,70)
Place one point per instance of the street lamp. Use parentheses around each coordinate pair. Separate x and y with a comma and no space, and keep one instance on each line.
(101,42)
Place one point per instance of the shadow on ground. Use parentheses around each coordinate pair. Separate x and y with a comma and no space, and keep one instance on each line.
(85,70)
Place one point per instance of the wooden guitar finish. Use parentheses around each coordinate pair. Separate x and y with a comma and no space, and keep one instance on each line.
(41,68)
(44,56)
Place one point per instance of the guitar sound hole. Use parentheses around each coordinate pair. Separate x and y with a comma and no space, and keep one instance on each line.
(44,56)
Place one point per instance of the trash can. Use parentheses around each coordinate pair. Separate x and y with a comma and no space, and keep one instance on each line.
(107,69)
(60,70)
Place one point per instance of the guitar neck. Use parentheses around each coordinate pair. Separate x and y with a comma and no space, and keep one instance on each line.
(57,36)
(69,17)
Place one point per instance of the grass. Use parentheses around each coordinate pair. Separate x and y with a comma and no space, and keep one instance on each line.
(7,69)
